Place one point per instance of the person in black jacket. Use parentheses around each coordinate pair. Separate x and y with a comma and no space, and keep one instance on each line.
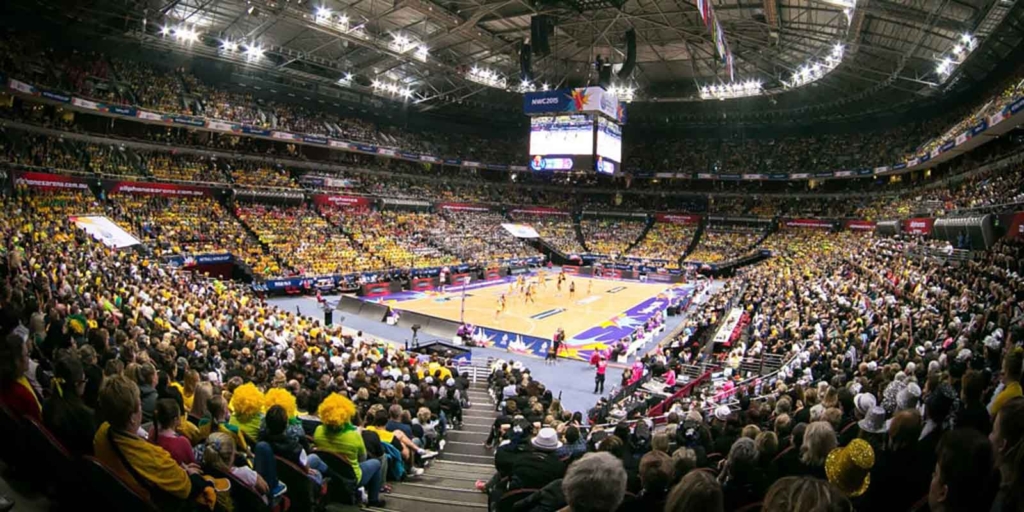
(64,414)
(288,448)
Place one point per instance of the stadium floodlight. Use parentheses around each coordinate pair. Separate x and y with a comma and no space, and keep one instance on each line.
(624,93)
(733,90)
(165,30)
(229,46)
(391,89)
(342,19)
(254,52)
(487,77)
(323,12)
(525,86)
(947,63)
(812,71)
(544,87)
(185,34)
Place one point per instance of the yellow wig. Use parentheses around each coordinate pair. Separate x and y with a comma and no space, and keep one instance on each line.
(281,396)
(336,410)
(246,401)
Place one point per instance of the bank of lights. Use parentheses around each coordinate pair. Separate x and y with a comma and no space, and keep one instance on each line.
(484,76)
(732,90)
(254,52)
(814,71)
(948,63)
(182,33)
(525,86)
(624,93)
(385,87)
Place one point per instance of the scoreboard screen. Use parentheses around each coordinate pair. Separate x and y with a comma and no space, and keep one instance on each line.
(609,146)
(561,142)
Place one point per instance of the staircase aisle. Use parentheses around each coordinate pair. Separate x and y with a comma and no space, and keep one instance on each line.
(448,484)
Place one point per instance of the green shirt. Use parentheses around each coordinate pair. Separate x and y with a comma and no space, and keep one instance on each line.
(347,443)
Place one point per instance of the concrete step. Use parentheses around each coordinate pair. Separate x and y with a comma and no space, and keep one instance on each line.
(456,482)
(461,473)
(471,458)
(466,436)
(466,448)
(399,502)
(464,494)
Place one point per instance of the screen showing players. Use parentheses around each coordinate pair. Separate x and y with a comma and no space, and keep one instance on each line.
(609,140)
(561,135)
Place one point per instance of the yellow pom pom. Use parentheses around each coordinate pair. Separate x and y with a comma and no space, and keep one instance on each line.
(280,396)
(247,400)
(336,410)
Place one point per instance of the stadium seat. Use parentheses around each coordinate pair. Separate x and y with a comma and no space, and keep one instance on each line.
(10,428)
(51,459)
(246,498)
(302,491)
(114,492)
(508,499)
(344,491)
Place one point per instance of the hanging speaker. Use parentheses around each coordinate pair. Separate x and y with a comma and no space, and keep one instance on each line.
(525,63)
(630,63)
(540,27)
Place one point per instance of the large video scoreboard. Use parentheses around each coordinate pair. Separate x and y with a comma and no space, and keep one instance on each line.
(574,130)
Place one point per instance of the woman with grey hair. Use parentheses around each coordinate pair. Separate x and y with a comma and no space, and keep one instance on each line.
(742,480)
(819,440)
(595,483)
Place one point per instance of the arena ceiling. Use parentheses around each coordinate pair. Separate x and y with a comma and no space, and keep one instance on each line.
(891,47)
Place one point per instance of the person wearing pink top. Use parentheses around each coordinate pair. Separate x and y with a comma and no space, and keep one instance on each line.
(166,419)
(602,367)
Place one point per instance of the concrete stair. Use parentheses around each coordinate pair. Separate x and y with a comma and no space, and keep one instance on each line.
(449,483)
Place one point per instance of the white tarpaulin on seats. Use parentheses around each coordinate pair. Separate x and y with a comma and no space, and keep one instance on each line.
(104,230)
(521,230)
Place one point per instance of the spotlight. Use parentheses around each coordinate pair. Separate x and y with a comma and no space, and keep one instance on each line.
(229,46)
(254,52)
(165,30)
(323,12)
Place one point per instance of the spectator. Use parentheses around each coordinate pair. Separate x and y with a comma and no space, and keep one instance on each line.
(849,468)
(595,483)
(166,421)
(15,390)
(1007,438)
(805,494)
(742,480)
(818,441)
(963,474)
(1013,365)
(64,413)
(698,491)
(337,434)
(656,476)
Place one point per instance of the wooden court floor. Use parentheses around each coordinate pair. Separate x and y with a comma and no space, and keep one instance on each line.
(551,309)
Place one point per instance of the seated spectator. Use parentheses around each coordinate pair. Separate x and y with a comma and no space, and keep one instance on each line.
(338,435)
(219,456)
(1008,442)
(216,420)
(656,475)
(148,379)
(146,467)
(64,413)
(963,473)
(247,407)
(166,421)
(805,494)
(742,480)
(698,491)
(16,393)
(1010,387)
(849,468)
(595,483)
(819,440)
(277,436)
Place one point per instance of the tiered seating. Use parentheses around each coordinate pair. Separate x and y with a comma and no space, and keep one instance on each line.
(478,237)
(724,244)
(607,237)
(262,176)
(304,242)
(558,230)
(183,168)
(392,239)
(665,241)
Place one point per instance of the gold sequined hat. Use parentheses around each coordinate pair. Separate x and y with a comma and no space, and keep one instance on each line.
(849,468)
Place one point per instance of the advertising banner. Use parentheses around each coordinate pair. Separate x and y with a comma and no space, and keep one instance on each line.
(471,207)
(1016,106)
(571,269)
(86,104)
(677,218)
(800,176)
(22,87)
(256,131)
(150,116)
(339,144)
(521,230)
(354,201)
(808,223)
(159,189)
(1016,226)
(312,139)
(221,126)
(106,231)
(577,100)
(376,289)
(918,226)
(843,174)
(461,279)
(55,96)
(49,181)
(283,136)
(419,284)
(611,273)
(492,274)
(860,225)
(539,210)
(187,120)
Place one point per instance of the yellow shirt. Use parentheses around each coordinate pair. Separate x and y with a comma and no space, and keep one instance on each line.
(347,443)
(1012,390)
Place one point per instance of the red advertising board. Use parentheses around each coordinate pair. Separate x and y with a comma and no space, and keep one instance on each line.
(420,284)
(331,199)
(677,218)
(376,289)
(571,269)
(808,223)
(492,274)
(860,225)
(470,207)
(159,189)
(539,210)
(918,226)
(460,279)
(611,273)
(45,180)
(1016,226)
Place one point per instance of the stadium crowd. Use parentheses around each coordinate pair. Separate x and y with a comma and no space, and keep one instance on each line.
(718,244)
(665,241)
(609,237)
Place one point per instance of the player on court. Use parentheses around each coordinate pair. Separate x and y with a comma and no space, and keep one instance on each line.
(572,289)
(542,279)
(501,306)
(590,286)
(530,292)
(558,286)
